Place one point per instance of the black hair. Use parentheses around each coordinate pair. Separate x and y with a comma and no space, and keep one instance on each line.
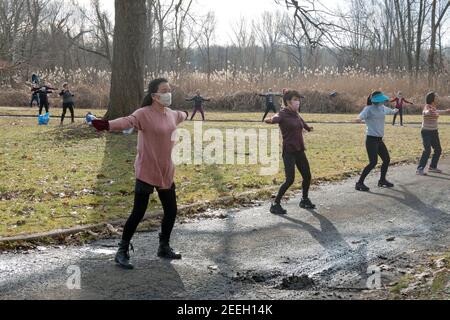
(431,96)
(369,100)
(153,88)
(289,95)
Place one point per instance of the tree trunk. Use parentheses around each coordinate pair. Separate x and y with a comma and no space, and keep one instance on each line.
(420,25)
(432,53)
(127,79)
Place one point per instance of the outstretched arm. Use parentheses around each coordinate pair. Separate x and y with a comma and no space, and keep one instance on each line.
(182,116)
(389,111)
(408,102)
(306,126)
(120,124)
(274,120)
(443,111)
(363,115)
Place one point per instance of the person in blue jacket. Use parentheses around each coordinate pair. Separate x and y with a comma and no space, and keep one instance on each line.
(374,115)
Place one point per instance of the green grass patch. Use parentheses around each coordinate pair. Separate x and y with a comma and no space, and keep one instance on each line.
(54,177)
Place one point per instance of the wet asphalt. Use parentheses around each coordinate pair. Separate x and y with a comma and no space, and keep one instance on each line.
(252,254)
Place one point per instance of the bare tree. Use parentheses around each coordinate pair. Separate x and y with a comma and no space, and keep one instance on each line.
(161,16)
(11,17)
(207,32)
(268,31)
(436,20)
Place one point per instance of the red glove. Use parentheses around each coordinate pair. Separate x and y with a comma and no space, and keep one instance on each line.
(100,125)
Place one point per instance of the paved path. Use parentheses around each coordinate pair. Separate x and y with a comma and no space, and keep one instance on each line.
(252,254)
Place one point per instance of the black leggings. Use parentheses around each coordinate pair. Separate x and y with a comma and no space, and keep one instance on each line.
(70,107)
(43,103)
(141,198)
(400,113)
(376,147)
(34,98)
(198,109)
(269,107)
(291,160)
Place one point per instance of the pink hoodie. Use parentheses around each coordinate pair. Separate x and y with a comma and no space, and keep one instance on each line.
(154,163)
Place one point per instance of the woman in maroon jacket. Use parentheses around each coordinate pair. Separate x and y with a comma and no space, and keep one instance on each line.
(292,126)
(399,104)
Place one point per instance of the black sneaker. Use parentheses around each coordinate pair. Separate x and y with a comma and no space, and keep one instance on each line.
(166,252)
(385,184)
(362,187)
(276,208)
(307,204)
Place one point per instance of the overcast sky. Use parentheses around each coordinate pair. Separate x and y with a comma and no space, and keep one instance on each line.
(228,11)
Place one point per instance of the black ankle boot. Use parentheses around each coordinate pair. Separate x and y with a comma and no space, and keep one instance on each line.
(165,251)
(385,184)
(307,204)
(123,255)
(276,208)
(360,186)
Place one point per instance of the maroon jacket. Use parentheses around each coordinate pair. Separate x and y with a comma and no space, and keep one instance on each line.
(291,126)
(399,102)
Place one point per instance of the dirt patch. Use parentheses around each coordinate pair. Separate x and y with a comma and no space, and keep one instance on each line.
(294,282)
(253,276)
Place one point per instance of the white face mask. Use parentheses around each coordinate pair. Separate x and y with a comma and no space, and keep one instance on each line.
(165,99)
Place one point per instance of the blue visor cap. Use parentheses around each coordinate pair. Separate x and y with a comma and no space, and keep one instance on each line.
(379,98)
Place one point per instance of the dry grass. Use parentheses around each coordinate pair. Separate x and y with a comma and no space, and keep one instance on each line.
(234,90)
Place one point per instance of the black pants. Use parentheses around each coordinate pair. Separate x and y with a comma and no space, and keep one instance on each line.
(43,103)
(400,113)
(198,109)
(292,160)
(430,140)
(269,107)
(70,107)
(34,98)
(141,198)
(376,147)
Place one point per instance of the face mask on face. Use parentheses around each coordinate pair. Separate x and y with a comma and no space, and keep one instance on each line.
(295,105)
(165,99)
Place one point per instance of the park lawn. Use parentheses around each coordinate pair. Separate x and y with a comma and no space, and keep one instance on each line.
(221,116)
(52,177)
(54,111)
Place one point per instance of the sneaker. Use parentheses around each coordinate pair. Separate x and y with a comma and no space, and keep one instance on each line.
(421,172)
(435,170)
(276,208)
(385,184)
(307,204)
(362,187)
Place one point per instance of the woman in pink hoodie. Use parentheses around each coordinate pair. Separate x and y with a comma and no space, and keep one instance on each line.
(155,170)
